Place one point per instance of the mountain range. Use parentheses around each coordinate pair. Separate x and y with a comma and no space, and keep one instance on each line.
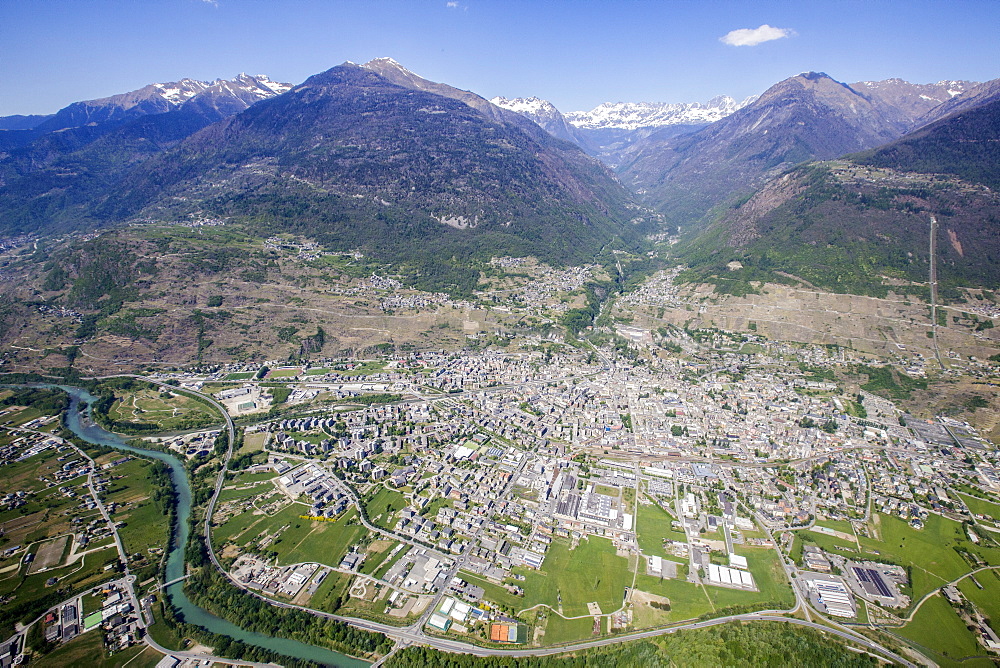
(685,159)
(369,157)
(373,156)
(219,98)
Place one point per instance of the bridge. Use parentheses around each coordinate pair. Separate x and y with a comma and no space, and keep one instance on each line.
(174,581)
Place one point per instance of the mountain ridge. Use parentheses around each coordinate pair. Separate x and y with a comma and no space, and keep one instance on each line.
(642,115)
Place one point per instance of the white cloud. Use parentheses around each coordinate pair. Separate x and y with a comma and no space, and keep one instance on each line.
(452,5)
(754,36)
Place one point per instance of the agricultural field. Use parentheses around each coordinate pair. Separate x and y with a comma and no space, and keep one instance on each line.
(378,551)
(47,512)
(330,591)
(291,539)
(387,563)
(938,628)
(164,635)
(167,411)
(687,600)
(767,574)
(987,599)
(829,543)
(284,373)
(145,529)
(363,369)
(653,527)
(18,418)
(44,526)
(837,525)
(50,553)
(24,475)
(34,595)
(250,518)
(382,506)
(245,489)
(590,572)
(253,443)
(559,630)
(47,523)
(88,649)
(498,594)
(322,542)
(982,506)
(243,478)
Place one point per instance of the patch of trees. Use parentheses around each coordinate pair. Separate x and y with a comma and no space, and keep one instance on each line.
(312,344)
(578,319)
(26,609)
(369,399)
(279,393)
(211,591)
(223,645)
(50,401)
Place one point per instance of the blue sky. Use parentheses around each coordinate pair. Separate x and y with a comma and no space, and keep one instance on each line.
(575,53)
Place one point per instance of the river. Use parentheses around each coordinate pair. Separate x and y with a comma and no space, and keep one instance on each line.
(78,421)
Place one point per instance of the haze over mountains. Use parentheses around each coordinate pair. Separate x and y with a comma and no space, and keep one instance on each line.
(375,156)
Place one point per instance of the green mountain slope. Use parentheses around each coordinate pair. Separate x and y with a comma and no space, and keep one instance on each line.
(966,144)
(862,224)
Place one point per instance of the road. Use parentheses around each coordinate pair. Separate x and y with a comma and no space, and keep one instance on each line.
(926,596)
(460,561)
(77,602)
(128,581)
(122,555)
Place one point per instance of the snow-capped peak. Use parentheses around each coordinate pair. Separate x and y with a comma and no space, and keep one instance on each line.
(179,92)
(529,106)
(385,60)
(635,115)
(261,81)
(258,87)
